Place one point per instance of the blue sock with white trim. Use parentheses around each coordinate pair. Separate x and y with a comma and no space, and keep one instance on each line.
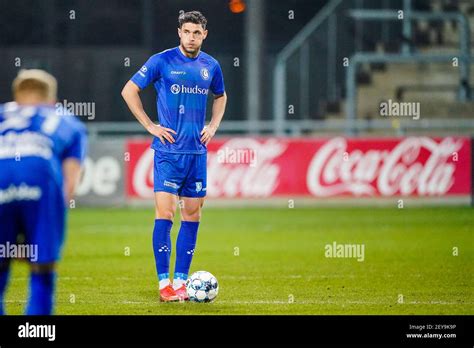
(185,246)
(162,250)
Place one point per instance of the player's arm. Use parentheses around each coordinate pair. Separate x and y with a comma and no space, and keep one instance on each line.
(218,109)
(71,174)
(131,95)
(73,155)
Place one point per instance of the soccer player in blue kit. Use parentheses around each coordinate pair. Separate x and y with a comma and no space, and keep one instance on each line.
(41,151)
(182,77)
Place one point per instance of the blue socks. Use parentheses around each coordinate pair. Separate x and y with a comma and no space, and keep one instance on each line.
(3,285)
(41,297)
(162,248)
(41,293)
(185,248)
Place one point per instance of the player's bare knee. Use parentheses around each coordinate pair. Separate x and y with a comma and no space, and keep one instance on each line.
(165,214)
(191,214)
(42,267)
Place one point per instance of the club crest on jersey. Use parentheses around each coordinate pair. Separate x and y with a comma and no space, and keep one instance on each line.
(175,89)
(198,186)
(205,74)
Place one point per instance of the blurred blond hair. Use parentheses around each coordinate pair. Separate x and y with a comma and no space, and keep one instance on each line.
(36,81)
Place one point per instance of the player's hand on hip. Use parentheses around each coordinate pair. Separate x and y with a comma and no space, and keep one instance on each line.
(207,134)
(162,133)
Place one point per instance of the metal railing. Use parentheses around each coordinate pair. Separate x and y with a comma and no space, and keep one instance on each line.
(303,127)
(406,56)
(328,22)
(464,37)
(300,42)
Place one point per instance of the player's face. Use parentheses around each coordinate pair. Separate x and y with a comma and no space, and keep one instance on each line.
(192,35)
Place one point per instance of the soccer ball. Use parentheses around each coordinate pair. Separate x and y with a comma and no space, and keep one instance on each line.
(202,286)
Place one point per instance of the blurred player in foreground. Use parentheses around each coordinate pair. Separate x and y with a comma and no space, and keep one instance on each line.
(41,150)
(182,77)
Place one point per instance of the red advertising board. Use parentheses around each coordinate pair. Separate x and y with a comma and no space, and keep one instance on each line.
(369,167)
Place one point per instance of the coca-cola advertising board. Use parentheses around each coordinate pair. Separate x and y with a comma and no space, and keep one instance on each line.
(243,167)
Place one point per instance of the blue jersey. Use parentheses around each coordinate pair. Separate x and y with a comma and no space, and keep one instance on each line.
(34,142)
(44,133)
(182,85)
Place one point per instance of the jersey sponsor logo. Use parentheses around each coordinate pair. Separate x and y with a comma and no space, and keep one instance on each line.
(170,184)
(176,89)
(15,123)
(20,193)
(205,74)
(174,72)
(25,144)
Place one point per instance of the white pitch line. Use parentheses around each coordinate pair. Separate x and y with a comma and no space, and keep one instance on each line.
(224,277)
(296,302)
(276,302)
(59,278)
(295,276)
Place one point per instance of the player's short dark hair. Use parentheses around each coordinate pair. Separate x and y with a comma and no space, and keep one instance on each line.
(195,17)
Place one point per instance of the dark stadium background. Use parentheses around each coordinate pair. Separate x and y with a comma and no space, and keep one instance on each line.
(99,39)
(104,32)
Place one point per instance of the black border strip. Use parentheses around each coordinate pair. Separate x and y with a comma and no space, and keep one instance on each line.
(225,330)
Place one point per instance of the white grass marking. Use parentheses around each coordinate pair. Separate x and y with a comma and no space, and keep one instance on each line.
(274,302)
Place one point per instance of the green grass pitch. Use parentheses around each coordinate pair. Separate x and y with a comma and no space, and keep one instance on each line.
(272,261)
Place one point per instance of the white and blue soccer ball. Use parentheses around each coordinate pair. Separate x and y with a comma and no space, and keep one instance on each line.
(202,286)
